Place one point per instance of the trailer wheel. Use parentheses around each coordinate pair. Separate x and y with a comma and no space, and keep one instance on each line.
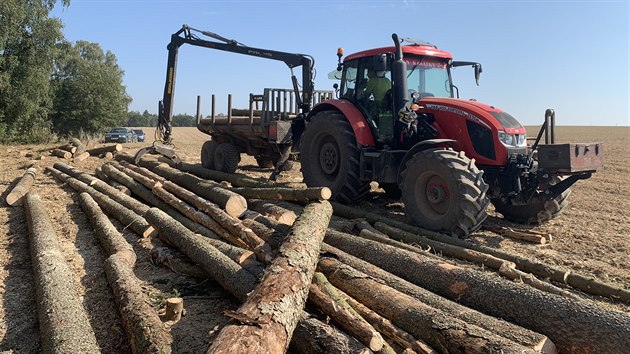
(329,156)
(207,153)
(226,158)
(534,213)
(443,190)
(264,161)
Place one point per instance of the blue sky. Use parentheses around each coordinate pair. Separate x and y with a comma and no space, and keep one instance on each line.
(568,55)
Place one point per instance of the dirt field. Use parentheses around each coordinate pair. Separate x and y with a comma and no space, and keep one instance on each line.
(590,237)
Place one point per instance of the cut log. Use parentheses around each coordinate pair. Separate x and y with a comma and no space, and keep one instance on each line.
(69,148)
(361,224)
(313,336)
(105,149)
(568,323)
(126,216)
(529,279)
(174,309)
(105,178)
(220,267)
(273,211)
(63,323)
(22,187)
(581,282)
(444,333)
(445,248)
(215,219)
(234,179)
(288,194)
(175,261)
(142,323)
(517,234)
(276,303)
(62,153)
(326,297)
(386,327)
(81,157)
(273,234)
(382,238)
(143,171)
(507,330)
(80,147)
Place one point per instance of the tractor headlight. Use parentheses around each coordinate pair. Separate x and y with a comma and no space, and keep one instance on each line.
(512,139)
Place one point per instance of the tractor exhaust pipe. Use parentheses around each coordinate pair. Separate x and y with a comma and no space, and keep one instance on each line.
(399,76)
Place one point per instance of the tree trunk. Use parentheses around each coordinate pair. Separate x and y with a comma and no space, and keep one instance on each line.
(273,211)
(531,280)
(80,147)
(386,327)
(380,237)
(289,194)
(505,329)
(274,236)
(569,324)
(517,234)
(143,171)
(105,149)
(63,323)
(23,186)
(357,325)
(98,172)
(174,308)
(445,248)
(81,157)
(126,216)
(172,259)
(236,180)
(445,334)
(221,268)
(312,336)
(69,148)
(276,303)
(62,153)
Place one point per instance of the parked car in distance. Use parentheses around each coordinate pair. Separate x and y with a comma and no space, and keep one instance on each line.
(120,135)
(140,134)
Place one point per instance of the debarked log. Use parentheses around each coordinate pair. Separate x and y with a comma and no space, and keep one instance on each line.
(288,194)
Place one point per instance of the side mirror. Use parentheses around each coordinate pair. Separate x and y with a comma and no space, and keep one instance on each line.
(478,71)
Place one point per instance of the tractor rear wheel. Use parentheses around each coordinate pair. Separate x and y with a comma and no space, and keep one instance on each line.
(207,153)
(329,156)
(443,190)
(534,213)
(226,158)
(264,161)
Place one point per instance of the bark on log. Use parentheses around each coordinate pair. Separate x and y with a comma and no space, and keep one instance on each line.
(24,185)
(445,334)
(445,248)
(531,280)
(69,148)
(273,211)
(507,330)
(288,194)
(569,324)
(63,323)
(386,327)
(380,237)
(98,172)
(81,157)
(105,149)
(225,271)
(581,282)
(143,326)
(236,180)
(214,217)
(62,153)
(517,234)
(174,309)
(172,259)
(276,303)
(273,234)
(234,204)
(126,216)
(143,171)
(312,336)
(80,147)
(329,300)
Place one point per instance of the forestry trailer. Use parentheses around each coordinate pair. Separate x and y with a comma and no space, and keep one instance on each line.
(397,120)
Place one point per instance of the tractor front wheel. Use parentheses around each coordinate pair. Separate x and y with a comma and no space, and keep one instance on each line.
(329,156)
(534,213)
(443,190)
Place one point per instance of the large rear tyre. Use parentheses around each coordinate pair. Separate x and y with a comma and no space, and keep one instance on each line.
(534,213)
(207,153)
(264,161)
(443,190)
(226,158)
(329,156)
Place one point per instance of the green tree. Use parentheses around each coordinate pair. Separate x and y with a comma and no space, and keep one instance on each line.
(28,39)
(89,95)
(183,120)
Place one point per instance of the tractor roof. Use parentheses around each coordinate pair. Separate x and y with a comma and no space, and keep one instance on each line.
(407,49)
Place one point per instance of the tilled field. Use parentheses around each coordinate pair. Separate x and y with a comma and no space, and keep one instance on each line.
(589,237)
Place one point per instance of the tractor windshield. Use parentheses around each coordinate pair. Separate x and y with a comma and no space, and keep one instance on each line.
(428,76)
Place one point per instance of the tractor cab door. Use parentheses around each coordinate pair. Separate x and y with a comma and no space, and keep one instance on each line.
(367,82)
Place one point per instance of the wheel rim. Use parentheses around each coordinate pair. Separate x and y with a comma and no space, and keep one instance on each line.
(329,157)
(432,193)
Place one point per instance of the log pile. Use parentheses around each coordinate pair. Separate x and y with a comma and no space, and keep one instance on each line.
(303,285)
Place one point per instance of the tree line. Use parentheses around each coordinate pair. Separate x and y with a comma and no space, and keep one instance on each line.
(51,87)
(146,119)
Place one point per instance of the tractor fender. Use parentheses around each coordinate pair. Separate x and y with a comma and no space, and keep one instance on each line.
(421,146)
(357,121)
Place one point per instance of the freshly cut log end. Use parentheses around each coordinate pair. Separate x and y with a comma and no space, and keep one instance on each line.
(81,157)
(62,153)
(236,206)
(23,186)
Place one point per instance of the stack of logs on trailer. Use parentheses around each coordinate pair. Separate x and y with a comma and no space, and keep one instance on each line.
(304,286)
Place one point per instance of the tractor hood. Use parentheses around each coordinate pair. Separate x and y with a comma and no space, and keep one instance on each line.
(480,113)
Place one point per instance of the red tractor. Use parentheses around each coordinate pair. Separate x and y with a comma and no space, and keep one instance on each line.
(397,121)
